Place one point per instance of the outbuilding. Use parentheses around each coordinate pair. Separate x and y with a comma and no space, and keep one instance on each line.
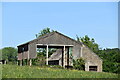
(67,50)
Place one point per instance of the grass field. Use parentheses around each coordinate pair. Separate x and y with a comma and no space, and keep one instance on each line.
(14,71)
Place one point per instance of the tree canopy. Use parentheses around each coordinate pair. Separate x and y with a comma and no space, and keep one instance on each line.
(89,43)
(43,32)
(9,54)
(111,60)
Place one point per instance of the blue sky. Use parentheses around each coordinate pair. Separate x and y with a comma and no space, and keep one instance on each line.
(98,20)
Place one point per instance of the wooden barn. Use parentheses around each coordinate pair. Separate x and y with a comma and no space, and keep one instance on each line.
(67,50)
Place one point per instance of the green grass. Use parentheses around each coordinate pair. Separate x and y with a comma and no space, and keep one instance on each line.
(0,71)
(14,71)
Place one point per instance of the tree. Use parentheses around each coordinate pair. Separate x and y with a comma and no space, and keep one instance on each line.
(111,60)
(43,32)
(9,54)
(89,42)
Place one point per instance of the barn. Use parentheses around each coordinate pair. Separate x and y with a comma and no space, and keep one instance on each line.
(67,50)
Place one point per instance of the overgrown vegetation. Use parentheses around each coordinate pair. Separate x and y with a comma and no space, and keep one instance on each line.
(110,57)
(43,32)
(39,61)
(89,42)
(14,71)
(79,64)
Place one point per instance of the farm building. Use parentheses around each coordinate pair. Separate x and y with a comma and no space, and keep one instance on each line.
(67,50)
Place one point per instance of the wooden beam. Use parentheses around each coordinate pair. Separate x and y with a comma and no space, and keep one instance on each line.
(47,55)
(81,51)
(53,45)
(17,62)
(64,55)
(68,57)
(20,62)
(5,61)
(30,62)
(28,55)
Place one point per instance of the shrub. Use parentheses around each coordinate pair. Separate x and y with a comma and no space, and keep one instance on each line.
(40,61)
(79,64)
(56,66)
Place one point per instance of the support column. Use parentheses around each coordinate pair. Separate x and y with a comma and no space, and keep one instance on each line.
(5,61)
(17,62)
(87,66)
(20,62)
(64,56)
(81,51)
(68,56)
(30,62)
(28,58)
(47,55)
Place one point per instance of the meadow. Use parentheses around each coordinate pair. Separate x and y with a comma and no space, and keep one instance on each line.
(14,71)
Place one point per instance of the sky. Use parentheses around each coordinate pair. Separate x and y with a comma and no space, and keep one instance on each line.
(22,20)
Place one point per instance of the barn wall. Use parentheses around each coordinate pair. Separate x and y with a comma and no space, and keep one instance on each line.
(23,52)
(32,50)
(19,56)
(91,59)
(25,55)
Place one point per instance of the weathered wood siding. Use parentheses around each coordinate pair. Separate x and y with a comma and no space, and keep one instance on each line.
(32,50)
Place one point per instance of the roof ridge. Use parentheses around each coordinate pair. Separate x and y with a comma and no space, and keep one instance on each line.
(69,38)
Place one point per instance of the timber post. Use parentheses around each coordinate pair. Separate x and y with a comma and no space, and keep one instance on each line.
(20,62)
(47,55)
(64,56)
(30,62)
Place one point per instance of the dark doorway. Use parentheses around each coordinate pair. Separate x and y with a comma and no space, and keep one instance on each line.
(92,68)
(2,61)
(53,62)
